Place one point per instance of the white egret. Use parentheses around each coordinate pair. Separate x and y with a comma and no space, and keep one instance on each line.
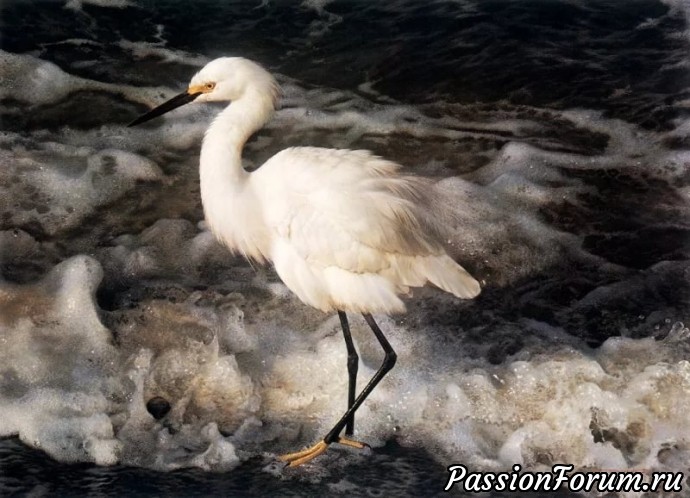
(345,231)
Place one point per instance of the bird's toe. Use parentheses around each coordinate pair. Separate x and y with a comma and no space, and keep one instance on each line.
(301,457)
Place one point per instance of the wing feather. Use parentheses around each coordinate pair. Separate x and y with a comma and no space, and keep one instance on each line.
(346,208)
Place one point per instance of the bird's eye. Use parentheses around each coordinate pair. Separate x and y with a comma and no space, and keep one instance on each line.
(209,86)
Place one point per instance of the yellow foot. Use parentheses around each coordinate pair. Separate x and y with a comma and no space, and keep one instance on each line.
(304,456)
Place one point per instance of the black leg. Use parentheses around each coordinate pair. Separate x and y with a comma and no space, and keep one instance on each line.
(352,366)
(386,366)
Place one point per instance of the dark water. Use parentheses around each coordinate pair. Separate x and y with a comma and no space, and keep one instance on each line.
(624,58)
(391,471)
(28,472)
(510,72)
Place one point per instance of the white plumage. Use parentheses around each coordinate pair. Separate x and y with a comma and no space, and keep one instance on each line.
(345,231)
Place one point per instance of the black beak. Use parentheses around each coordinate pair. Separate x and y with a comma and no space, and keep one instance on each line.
(173,103)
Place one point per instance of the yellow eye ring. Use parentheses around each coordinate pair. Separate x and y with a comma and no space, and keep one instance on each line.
(209,86)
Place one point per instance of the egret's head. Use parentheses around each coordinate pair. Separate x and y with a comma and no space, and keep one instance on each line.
(229,78)
(223,79)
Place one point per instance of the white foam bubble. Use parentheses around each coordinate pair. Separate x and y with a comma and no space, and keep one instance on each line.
(158,50)
(55,355)
(69,183)
(113,4)
(34,81)
(280,381)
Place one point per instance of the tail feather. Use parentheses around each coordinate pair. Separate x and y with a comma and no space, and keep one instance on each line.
(445,273)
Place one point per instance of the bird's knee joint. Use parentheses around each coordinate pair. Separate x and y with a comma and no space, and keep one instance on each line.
(352,362)
(390,360)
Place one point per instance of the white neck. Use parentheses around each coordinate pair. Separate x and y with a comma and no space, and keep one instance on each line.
(221,152)
(229,207)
